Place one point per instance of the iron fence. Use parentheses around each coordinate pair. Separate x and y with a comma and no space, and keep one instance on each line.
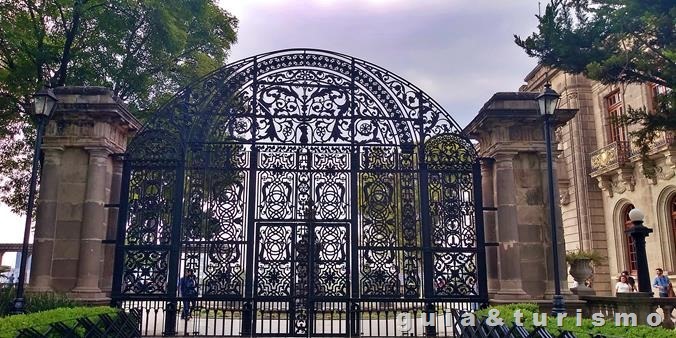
(122,324)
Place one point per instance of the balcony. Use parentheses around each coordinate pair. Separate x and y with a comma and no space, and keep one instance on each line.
(662,141)
(609,158)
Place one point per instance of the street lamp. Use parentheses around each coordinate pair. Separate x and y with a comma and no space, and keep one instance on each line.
(44,102)
(638,233)
(547,101)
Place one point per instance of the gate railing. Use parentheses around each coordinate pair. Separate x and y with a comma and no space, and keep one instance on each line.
(365,318)
(120,324)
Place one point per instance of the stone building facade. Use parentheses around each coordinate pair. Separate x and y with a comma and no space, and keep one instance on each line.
(601,175)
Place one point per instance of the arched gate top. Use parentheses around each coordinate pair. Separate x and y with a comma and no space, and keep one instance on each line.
(296,97)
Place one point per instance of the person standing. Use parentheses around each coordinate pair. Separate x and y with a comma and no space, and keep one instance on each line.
(188,288)
(623,285)
(630,279)
(661,283)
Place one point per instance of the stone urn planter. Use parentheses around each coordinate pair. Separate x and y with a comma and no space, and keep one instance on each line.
(581,269)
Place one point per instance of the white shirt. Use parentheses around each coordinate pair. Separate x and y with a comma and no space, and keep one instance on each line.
(623,287)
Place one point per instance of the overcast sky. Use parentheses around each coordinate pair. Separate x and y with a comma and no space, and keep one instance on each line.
(459,51)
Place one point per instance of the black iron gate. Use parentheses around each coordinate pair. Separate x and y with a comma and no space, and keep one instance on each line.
(312,193)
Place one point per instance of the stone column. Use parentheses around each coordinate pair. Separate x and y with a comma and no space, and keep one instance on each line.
(560,236)
(92,231)
(43,243)
(491,234)
(508,228)
(111,232)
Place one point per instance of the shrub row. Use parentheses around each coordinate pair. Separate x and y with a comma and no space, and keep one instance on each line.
(569,324)
(34,302)
(11,325)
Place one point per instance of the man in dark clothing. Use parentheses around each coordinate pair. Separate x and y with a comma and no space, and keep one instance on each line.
(188,288)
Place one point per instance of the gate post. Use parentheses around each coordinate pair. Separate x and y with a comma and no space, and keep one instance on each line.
(175,250)
(247,318)
(431,313)
(89,124)
(356,319)
(508,129)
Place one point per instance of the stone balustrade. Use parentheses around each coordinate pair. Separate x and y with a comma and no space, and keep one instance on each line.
(639,303)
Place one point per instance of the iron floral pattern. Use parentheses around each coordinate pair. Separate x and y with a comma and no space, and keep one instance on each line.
(299,175)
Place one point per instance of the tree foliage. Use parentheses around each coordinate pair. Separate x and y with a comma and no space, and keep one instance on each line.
(614,41)
(144,50)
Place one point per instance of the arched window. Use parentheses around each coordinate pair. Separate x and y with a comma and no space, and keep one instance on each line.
(629,242)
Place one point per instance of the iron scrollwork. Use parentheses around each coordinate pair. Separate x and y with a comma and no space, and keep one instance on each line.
(285,173)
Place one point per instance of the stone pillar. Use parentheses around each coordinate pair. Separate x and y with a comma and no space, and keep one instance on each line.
(88,125)
(509,251)
(509,129)
(111,231)
(93,226)
(43,242)
(490,230)
(563,266)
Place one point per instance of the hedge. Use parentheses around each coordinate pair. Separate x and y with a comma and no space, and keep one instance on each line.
(569,323)
(34,302)
(10,326)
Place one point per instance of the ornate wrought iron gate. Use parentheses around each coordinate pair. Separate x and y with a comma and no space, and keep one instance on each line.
(312,193)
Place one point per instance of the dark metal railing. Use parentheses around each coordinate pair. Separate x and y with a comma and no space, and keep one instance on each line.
(613,155)
(121,324)
(387,318)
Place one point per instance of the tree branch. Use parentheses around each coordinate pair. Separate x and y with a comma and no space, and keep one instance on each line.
(39,36)
(653,49)
(70,37)
(64,22)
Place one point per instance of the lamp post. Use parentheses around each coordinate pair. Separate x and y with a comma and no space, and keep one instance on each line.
(547,101)
(638,233)
(44,102)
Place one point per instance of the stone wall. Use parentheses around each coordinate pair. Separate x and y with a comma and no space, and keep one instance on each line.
(89,126)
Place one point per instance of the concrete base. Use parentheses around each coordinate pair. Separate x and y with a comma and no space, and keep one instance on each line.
(88,296)
(583,290)
(44,289)
(507,294)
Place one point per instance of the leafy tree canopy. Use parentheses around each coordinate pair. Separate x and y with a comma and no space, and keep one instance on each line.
(144,50)
(614,41)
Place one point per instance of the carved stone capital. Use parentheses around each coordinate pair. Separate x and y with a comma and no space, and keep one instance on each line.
(627,179)
(98,152)
(504,158)
(564,196)
(665,174)
(52,155)
(605,184)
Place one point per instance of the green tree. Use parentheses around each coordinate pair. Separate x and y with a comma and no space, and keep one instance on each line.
(143,50)
(614,41)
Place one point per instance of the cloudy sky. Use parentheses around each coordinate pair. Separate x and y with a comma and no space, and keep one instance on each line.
(458,51)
